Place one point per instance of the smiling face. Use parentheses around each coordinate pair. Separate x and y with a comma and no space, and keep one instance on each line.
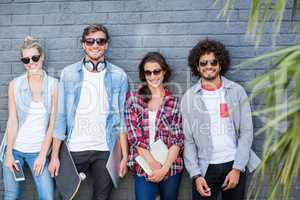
(33,66)
(154,74)
(95,52)
(209,68)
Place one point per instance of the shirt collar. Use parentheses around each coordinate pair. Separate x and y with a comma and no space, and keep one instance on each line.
(227,84)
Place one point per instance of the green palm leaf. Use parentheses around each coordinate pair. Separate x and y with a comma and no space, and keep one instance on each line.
(280,109)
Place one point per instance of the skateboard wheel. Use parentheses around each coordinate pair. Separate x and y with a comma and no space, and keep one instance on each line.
(82,176)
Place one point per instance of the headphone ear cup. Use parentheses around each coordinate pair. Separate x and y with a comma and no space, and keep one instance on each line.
(89,66)
(100,66)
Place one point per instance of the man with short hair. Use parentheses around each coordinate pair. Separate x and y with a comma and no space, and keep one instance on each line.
(90,115)
(218,128)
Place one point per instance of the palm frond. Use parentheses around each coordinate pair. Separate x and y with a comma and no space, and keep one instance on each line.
(279,90)
(261,13)
(294,9)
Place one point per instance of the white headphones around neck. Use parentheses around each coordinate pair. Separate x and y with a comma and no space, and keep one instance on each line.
(90,65)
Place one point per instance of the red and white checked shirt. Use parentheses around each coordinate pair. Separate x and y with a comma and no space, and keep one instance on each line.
(168,128)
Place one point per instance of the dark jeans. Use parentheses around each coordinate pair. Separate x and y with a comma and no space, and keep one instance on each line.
(95,163)
(146,190)
(215,177)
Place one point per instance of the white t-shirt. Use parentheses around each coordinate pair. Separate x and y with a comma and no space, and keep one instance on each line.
(32,132)
(221,128)
(152,129)
(89,132)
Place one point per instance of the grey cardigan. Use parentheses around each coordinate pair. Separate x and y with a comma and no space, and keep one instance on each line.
(196,126)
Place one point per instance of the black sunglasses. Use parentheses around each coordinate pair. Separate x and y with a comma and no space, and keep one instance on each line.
(34,58)
(155,72)
(213,62)
(99,41)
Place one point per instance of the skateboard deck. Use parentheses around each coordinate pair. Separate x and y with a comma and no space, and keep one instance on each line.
(68,179)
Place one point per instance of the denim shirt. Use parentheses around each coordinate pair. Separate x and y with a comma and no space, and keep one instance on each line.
(23,99)
(116,84)
(196,127)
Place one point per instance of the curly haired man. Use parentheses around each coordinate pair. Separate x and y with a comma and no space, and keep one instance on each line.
(217,125)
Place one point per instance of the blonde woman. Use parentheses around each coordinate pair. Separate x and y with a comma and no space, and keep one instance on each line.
(32,99)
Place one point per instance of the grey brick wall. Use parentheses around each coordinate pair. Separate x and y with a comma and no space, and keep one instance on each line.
(136,26)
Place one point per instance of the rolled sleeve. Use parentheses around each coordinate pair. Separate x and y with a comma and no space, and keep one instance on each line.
(177,136)
(59,131)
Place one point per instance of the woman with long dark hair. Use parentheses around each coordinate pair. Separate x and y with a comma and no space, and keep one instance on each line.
(152,114)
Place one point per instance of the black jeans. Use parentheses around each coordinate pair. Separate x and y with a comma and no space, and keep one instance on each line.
(95,162)
(215,177)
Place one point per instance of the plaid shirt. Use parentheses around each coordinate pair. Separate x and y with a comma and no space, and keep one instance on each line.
(168,129)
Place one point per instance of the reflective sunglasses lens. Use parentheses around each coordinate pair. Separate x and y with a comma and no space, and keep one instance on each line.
(36,58)
(89,41)
(214,63)
(101,41)
(156,72)
(203,63)
(147,73)
(25,60)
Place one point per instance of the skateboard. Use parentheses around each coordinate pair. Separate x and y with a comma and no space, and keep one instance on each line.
(68,179)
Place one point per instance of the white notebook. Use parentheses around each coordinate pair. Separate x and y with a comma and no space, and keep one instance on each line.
(144,165)
(159,151)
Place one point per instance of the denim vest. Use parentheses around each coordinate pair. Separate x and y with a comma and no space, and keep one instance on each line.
(23,99)
(116,85)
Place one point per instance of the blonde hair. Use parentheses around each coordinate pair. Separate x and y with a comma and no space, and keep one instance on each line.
(30,42)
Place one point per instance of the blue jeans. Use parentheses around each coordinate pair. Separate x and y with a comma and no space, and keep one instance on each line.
(43,182)
(146,190)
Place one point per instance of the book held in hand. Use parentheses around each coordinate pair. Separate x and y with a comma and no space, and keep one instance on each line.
(159,151)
